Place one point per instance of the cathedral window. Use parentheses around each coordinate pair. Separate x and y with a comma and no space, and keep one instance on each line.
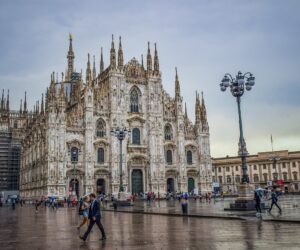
(168,132)
(189,157)
(169,157)
(136,138)
(256,178)
(265,177)
(100,158)
(74,154)
(100,128)
(134,101)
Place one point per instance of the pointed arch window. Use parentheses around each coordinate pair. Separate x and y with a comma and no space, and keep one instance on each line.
(134,101)
(100,158)
(169,157)
(100,128)
(168,132)
(189,157)
(136,136)
(74,154)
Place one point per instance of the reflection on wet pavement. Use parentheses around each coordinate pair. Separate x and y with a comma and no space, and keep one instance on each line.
(47,229)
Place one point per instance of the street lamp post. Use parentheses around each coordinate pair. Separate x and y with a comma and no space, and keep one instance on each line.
(120,134)
(237,88)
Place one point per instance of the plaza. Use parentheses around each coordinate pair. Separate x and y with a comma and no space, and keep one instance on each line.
(23,228)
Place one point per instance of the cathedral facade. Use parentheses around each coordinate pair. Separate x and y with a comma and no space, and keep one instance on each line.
(67,147)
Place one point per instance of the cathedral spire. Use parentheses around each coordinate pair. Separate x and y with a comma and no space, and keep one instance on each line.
(21,106)
(142,60)
(177,86)
(112,54)
(120,55)
(94,69)
(70,57)
(37,107)
(7,101)
(46,100)
(149,59)
(42,104)
(25,103)
(101,62)
(156,61)
(203,110)
(88,70)
(2,100)
(197,113)
(185,112)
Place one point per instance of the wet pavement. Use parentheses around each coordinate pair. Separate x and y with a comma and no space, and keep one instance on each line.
(290,209)
(48,229)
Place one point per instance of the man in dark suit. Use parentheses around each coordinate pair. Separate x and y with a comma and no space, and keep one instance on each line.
(94,217)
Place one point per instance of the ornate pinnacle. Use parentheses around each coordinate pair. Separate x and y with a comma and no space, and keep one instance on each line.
(149,59)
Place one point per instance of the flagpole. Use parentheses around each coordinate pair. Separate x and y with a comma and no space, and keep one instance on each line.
(272,143)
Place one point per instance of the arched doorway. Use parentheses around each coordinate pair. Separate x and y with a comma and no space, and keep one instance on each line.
(101,186)
(137,181)
(74,187)
(191,185)
(170,185)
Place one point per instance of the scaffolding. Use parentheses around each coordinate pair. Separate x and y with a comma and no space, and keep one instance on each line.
(10,149)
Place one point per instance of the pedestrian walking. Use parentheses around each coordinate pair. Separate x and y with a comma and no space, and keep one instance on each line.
(274,198)
(13,204)
(184,204)
(257,202)
(94,217)
(84,211)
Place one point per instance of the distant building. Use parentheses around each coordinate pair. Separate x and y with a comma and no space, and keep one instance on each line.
(227,171)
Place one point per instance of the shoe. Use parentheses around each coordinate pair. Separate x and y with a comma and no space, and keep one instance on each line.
(80,237)
(103,238)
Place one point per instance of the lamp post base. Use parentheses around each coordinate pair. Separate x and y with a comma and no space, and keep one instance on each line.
(245,200)
(122,200)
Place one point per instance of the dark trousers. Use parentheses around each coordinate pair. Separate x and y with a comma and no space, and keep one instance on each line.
(257,206)
(274,203)
(91,224)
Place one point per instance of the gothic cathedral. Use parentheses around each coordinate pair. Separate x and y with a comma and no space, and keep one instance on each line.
(67,147)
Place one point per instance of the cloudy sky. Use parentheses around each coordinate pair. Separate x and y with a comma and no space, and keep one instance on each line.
(204,39)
